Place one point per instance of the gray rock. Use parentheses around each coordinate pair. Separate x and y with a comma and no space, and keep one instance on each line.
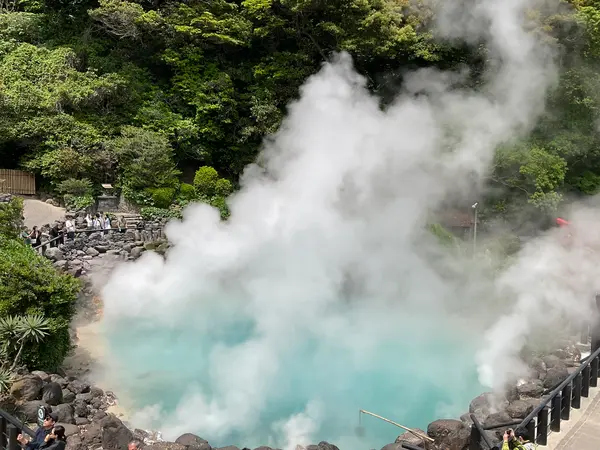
(101,248)
(115,435)
(70,429)
(29,410)
(555,376)
(54,254)
(68,396)
(137,251)
(76,262)
(75,442)
(27,388)
(61,265)
(64,412)
(96,391)
(166,446)
(79,387)
(60,380)
(80,408)
(450,434)
(496,419)
(411,438)
(322,446)
(91,251)
(531,389)
(519,409)
(81,421)
(193,442)
(52,393)
(393,446)
(87,397)
(551,361)
(43,375)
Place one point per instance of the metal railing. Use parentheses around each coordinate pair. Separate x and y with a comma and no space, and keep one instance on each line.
(10,428)
(61,237)
(556,406)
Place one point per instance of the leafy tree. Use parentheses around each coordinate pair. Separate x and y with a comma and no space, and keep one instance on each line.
(11,218)
(145,160)
(16,332)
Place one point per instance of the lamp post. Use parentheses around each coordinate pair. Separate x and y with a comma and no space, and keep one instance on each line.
(474,206)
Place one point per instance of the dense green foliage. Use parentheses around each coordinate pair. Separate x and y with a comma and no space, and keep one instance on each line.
(136,92)
(30,285)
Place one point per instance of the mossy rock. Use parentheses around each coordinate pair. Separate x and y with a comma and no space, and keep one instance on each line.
(162,248)
(150,245)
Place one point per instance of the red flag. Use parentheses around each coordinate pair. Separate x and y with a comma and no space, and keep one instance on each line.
(562,222)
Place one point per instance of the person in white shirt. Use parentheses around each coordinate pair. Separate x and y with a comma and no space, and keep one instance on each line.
(89,222)
(107,225)
(70,227)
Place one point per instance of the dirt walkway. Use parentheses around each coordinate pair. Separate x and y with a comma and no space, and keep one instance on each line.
(39,213)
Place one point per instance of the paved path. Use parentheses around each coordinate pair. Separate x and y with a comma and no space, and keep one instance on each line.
(582,431)
(40,213)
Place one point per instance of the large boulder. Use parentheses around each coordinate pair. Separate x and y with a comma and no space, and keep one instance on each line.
(496,419)
(79,387)
(193,442)
(52,393)
(43,375)
(555,376)
(29,410)
(322,446)
(27,388)
(519,409)
(412,438)
(166,446)
(55,254)
(115,435)
(393,446)
(68,396)
(531,389)
(552,361)
(80,408)
(481,405)
(65,413)
(75,443)
(450,434)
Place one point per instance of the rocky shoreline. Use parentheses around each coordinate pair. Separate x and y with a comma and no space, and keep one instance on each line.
(84,410)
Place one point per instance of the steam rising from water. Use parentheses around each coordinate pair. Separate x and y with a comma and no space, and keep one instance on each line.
(318,296)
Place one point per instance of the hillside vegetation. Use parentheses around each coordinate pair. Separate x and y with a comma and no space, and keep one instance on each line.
(134,92)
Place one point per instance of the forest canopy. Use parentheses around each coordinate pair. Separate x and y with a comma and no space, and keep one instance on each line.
(137,92)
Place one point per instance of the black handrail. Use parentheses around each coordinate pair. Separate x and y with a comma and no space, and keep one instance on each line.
(564,396)
(17,423)
(479,432)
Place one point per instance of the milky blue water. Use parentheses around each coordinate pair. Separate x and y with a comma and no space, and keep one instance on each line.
(423,372)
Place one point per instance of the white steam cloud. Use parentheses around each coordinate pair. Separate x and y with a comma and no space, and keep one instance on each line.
(323,256)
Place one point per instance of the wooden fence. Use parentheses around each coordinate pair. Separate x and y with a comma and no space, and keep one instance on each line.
(17,182)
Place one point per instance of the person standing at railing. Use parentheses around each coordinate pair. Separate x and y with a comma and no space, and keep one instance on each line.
(107,225)
(516,441)
(36,236)
(70,227)
(25,237)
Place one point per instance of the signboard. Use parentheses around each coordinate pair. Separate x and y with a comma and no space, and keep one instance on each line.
(41,415)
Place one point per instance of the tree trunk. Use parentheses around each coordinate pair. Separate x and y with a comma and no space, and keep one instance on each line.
(18,356)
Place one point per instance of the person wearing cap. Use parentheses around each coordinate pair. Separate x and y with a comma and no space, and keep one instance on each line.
(40,434)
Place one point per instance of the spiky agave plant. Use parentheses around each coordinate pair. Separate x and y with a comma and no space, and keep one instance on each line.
(6,379)
(16,331)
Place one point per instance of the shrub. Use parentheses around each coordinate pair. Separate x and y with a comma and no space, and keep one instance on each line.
(223,187)
(152,213)
(205,181)
(145,159)
(78,203)
(187,192)
(11,218)
(162,197)
(75,187)
(30,285)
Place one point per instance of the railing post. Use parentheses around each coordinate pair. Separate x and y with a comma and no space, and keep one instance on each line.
(566,398)
(542,427)
(3,442)
(576,402)
(555,415)
(594,372)
(530,427)
(12,437)
(595,328)
(585,378)
(474,443)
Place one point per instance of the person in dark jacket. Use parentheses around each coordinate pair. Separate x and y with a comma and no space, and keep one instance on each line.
(55,440)
(40,434)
